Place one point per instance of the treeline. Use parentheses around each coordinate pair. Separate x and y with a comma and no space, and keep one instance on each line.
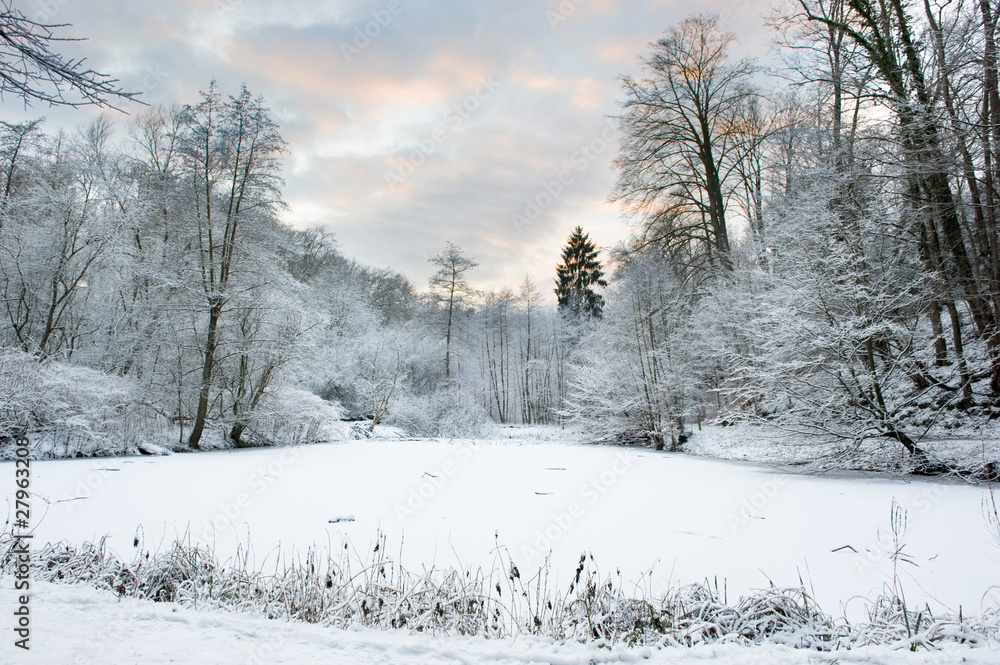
(819,253)
(815,248)
(150,289)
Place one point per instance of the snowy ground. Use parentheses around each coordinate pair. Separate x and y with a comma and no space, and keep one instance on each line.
(449,503)
(81,626)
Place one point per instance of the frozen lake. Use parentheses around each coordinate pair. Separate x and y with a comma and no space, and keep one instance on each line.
(450,503)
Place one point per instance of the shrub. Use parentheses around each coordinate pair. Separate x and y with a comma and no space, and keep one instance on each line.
(71,411)
(342,587)
(449,412)
(287,416)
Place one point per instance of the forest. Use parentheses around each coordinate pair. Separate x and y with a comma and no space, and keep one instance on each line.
(815,249)
(762,424)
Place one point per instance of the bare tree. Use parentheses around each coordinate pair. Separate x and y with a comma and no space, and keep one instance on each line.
(32,71)
(450,286)
(681,133)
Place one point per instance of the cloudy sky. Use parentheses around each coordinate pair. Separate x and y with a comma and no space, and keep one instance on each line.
(410,122)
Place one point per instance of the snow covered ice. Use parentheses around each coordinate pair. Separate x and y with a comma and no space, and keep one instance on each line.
(675,518)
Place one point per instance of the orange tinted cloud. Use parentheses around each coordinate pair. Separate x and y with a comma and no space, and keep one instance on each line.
(322,72)
(586,93)
(622,49)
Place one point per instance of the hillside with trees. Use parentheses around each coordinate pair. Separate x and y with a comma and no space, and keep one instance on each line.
(814,251)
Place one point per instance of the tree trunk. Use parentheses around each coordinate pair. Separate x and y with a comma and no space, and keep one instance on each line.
(963,369)
(211,344)
(236,434)
(940,345)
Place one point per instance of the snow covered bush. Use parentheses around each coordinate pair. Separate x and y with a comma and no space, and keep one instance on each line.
(448,412)
(598,608)
(343,588)
(20,391)
(72,411)
(288,416)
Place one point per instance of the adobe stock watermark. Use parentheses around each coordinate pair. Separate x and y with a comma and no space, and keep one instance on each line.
(265,653)
(225,7)
(152,78)
(881,547)
(730,16)
(86,487)
(561,522)
(451,123)
(563,11)
(766,491)
(47,10)
(431,483)
(284,116)
(365,34)
(257,483)
(550,191)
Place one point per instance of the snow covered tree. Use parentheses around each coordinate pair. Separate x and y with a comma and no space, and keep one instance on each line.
(827,332)
(888,35)
(382,372)
(451,289)
(15,139)
(498,352)
(55,232)
(262,340)
(539,357)
(576,277)
(636,374)
(231,151)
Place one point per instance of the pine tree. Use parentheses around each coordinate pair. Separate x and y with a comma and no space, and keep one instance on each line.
(577,274)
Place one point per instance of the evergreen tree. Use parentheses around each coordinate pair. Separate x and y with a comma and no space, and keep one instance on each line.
(577,274)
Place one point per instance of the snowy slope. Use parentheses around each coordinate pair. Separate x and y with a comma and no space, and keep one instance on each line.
(82,626)
(450,503)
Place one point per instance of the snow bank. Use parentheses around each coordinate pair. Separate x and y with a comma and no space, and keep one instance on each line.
(88,627)
(964,451)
